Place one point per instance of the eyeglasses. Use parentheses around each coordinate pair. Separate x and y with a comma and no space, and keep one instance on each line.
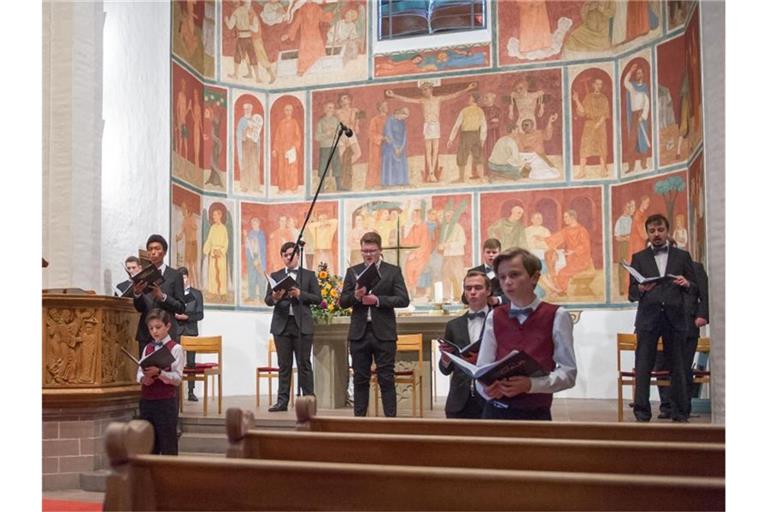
(371,251)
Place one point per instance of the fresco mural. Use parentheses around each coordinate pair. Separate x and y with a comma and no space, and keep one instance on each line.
(248,133)
(679,97)
(435,132)
(419,62)
(194,33)
(592,122)
(289,43)
(433,157)
(567,30)
(697,234)
(187,120)
(430,237)
(265,228)
(636,115)
(631,204)
(185,224)
(217,280)
(563,227)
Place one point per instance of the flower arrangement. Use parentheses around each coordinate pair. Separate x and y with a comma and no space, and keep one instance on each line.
(330,292)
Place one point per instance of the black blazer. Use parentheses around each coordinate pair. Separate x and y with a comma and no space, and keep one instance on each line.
(698,302)
(457,331)
(193,308)
(391,292)
(122,287)
(310,294)
(666,298)
(173,287)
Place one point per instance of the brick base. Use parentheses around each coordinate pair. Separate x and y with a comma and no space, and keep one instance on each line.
(73,442)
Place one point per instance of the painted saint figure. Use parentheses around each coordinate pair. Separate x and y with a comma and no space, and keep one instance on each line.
(215,248)
(255,257)
(394,156)
(286,144)
(596,111)
(638,112)
(248,145)
(575,241)
(375,141)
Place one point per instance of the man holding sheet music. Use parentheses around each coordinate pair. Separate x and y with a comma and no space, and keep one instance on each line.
(132,266)
(291,292)
(463,400)
(373,289)
(661,312)
(168,295)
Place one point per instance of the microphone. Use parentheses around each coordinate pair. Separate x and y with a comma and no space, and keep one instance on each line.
(346,129)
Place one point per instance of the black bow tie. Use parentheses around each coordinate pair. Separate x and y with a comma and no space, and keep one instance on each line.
(514,312)
(488,269)
(479,314)
(657,250)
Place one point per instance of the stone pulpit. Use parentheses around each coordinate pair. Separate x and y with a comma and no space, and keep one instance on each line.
(87,381)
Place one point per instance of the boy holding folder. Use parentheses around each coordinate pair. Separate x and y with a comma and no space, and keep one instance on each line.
(542,330)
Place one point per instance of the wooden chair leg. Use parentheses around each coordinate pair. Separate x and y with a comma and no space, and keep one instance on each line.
(421,398)
(181,396)
(205,397)
(376,398)
(413,398)
(218,379)
(290,391)
(621,402)
(258,389)
(270,388)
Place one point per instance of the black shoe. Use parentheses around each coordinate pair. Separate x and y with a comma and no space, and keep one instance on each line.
(664,415)
(642,419)
(191,397)
(680,419)
(278,407)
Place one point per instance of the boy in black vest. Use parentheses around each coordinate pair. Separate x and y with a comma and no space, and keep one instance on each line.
(159,386)
(543,330)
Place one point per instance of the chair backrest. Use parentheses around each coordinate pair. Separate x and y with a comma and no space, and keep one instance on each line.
(411,343)
(203,345)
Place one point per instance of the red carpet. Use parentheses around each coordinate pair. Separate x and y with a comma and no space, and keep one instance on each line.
(66,506)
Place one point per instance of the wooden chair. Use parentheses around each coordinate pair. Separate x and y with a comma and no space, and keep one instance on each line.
(270,373)
(627,342)
(413,376)
(435,356)
(201,372)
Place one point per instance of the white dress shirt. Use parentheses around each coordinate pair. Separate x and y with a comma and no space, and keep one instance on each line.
(564,374)
(291,272)
(661,258)
(172,376)
(475,326)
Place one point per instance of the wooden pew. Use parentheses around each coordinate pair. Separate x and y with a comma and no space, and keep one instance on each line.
(307,419)
(528,454)
(151,482)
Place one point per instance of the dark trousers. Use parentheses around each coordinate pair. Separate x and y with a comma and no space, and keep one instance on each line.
(365,351)
(645,358)
(472,410)
(191,364)
(290,344)
(164,416)
(495,412)
(689,353)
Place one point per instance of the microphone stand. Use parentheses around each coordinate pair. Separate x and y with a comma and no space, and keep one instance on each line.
(300,238)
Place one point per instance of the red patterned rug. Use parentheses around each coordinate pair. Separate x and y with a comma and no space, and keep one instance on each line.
(67,506)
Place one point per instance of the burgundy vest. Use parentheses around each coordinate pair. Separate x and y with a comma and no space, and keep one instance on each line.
(159,390)
(535,338)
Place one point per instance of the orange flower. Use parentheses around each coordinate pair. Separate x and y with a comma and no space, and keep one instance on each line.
(323,275)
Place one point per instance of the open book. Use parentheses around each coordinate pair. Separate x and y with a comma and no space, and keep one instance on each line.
(161,358)
(369,277)
(516,363)
(472,348)
(286,283)
(414,17)
(641,279)
(149,274)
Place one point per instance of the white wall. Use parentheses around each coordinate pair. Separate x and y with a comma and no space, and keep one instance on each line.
(136,143)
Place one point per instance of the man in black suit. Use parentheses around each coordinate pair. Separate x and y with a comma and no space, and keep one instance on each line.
(193,313)
(168,296)
(697,308)
(133,266)
(463,400)
(373,328)
(661,311)
(292,325)
(491,249)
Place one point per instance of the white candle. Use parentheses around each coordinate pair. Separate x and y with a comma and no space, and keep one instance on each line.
(438,292)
